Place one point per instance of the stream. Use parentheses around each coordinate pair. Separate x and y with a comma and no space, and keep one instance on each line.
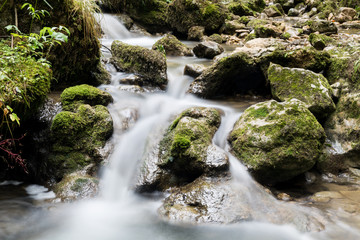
(29,212)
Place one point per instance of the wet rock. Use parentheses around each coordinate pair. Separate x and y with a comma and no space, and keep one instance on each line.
(184,150)
(343,129)
(293,12)
(208,49)
(221,200)
(78,135)
(194,70)
(77,186)
(326,196)
(323,26)
(235,74)
(277,141)
(126,20)
(196,33)
(84,94)
(132,80)
(132,89)
(274,10)
(185,14)
(150,64)
(304,85)
(172,46)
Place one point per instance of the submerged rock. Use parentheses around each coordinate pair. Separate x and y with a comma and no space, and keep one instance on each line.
(304,85)
(277,141)
(150,64)
(172,46)
(208,49)
(237,73)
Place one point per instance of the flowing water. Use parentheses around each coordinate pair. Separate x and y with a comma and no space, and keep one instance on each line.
(119,213)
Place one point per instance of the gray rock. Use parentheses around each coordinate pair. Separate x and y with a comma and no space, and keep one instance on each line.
(196,33)
(194,70)
(208,49)
(171,46)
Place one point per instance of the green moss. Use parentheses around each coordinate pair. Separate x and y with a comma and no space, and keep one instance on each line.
(172,46)
(259,112)
(285,35)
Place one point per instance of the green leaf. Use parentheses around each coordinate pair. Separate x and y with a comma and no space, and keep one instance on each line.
(14,117)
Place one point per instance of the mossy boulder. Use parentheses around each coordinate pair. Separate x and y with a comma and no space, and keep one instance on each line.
(150,64)
(84,94)
(274,10)
(172,46)
(235,74)
(343,131)
(277,141)
(77,137)
(319,41)
(246,7)
(185,147)
(77,186)
(184,14)
(308,58)
(266,31)
(311,88)
(323,26)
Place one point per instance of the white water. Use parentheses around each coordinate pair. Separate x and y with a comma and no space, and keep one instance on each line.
(118,213)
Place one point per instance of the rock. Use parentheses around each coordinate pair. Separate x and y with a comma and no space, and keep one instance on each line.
(266,31)
(286,4)
(150,64)
(78,137)
(343,129)
(293,12)
(132,89)
(184,14)
(172,46)
(194,70)
(220,200)
(323,26)
(247,8)
(216,38)
(184,150)
(345,14)
(84,94)
(208,49)
(274,10)
(235,74)
(319,41)
(307,58)
(77,186)
(196,33)
(132,80)
(230,27)
(304,85)
(277,141)
(126,20)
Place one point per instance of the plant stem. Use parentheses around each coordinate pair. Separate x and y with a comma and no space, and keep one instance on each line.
(32,18)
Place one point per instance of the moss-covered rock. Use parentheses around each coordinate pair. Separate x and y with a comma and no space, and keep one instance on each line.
(343,131)
(246,7)
(277,141)
(236,74)
(307,58)
(150,64)
(184,14)
(77,138)
(76,186)
(274,10)
(172,46)
(304,85)
(323,26)
(196,33)
(266,31)
(184,149)
(230,27)
(319,41)
(84,94)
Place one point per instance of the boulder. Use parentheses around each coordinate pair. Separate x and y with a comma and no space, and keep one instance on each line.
(150,64)
(343,130)
(194,70)
(223,201)
(184,149)
(266,31)
(323,26)
(319,41)
(277,141)
(274,10)
(196,33)
(84,94)
(208,49)
(184,14)
(235,74)
(293,12)
(311,88)
(345,14)
(230,27)
(77,137)
(172,46)
(246,7)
